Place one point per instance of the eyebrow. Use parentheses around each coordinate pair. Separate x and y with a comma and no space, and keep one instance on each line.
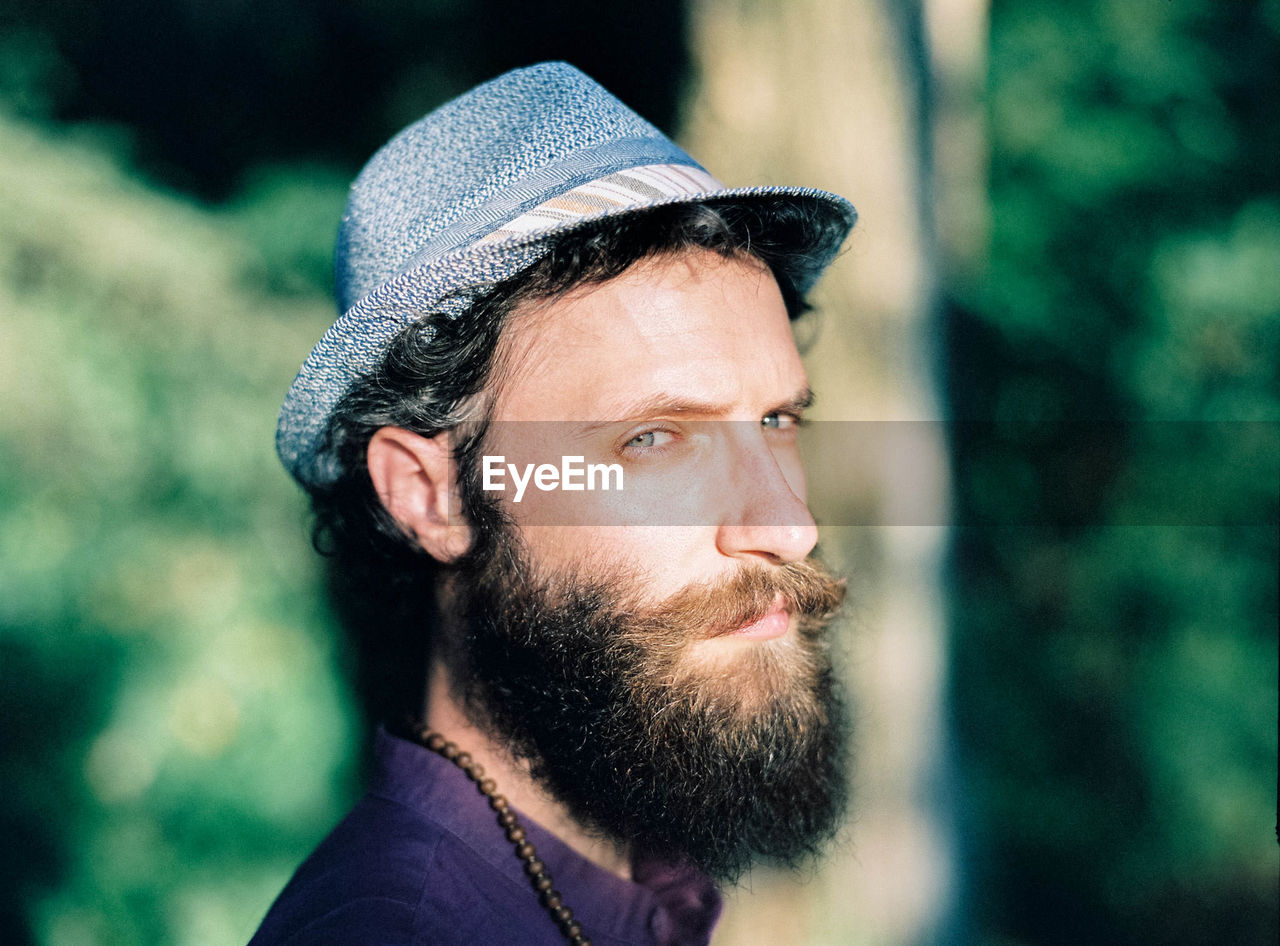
(669,405)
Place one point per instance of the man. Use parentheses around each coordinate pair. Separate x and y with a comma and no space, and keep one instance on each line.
(553,436)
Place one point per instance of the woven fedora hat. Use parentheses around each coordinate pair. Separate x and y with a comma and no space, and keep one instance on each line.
(468,196)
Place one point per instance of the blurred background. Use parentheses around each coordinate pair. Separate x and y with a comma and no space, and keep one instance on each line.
(1066,276)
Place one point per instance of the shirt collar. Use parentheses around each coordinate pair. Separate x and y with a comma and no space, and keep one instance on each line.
(664,904)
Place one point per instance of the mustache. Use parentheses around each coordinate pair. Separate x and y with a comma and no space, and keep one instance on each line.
(805,589)
(611,598)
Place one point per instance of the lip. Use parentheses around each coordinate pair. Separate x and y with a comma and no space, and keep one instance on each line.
(774,623)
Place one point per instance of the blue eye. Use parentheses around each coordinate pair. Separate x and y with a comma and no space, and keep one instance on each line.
(780,421)
(648,439)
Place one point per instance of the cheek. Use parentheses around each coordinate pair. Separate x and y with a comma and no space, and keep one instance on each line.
(617,497)
(653,562)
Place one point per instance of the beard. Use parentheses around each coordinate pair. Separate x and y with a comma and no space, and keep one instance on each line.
(680,749)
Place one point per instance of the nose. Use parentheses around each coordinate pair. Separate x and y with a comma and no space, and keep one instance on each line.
(766,517)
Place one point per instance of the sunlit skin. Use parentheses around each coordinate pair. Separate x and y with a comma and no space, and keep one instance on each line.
(633,371)
(647,370)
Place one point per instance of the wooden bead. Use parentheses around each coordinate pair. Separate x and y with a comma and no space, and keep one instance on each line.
(488,785)
(525,850)
(573,930)
(498,802)
(435,742)
(507,819)
(551,900)
(462,760)
(450,751)
(542,884)
(564,915)
(534,867)
(515,834)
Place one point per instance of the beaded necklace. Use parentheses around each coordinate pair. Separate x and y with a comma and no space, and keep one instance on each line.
(533,867)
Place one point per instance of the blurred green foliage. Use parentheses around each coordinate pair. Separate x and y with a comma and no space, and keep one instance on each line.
(1115,684)
(175,734)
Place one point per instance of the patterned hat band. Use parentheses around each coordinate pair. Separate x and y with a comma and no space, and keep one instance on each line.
(622,190)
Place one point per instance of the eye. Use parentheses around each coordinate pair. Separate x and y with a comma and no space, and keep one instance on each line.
(781,420)
(648,439)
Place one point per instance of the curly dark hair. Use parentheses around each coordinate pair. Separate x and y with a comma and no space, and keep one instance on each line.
(381,583)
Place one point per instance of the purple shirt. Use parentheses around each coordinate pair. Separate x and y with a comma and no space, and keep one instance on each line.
(421,859)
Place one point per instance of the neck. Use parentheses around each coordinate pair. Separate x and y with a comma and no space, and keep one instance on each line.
(444,714)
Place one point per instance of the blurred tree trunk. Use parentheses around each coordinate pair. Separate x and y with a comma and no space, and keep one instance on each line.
(834,94)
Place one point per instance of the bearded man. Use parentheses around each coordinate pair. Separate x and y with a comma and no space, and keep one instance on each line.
(623,691)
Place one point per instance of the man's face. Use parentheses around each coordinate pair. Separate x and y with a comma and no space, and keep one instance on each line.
(682,371)
(657,651)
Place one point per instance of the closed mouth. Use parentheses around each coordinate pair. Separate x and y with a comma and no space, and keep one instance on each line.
(773,623)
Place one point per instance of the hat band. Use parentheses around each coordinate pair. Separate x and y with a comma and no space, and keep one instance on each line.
(531,190)
(621,190)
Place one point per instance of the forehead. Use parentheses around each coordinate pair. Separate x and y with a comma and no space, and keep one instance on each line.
(693,326)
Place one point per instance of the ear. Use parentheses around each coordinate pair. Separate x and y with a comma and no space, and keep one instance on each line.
(415,478)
